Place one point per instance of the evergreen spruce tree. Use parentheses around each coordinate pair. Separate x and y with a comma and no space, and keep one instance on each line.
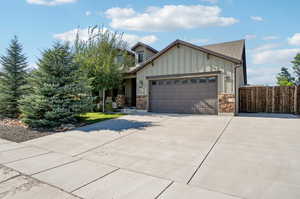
(296,67)
(12,79)
(58,94)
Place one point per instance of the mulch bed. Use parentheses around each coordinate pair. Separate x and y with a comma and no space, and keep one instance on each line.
(15,131)
(20,134)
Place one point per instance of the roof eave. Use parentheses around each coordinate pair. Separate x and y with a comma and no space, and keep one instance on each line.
(144,45)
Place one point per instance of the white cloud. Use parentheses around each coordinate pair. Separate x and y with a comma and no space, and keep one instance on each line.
(256,18)
(198,41)
(131,39)
(210,1)
(294,40)
(88,13)
(262,75)
(265,47)
(50,2)
(168,17)
(250,36)
(278,56)
(271,37)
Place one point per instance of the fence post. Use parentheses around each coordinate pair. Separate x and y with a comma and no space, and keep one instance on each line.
(273,99)
(297,100)
(267,101)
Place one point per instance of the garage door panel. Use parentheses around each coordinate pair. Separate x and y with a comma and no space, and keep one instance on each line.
(195,95)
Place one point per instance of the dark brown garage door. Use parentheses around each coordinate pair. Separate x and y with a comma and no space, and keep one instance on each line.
(193,95)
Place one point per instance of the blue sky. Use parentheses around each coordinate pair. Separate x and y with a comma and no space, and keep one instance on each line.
(271,28)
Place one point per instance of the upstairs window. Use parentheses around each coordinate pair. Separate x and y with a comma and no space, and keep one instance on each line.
(120,59)
(140,56)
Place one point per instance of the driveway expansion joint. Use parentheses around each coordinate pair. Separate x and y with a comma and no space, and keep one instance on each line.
(164,190)
(210,150)
(26,158)
(61,165)
(95,180)
(3,166)
(40,181)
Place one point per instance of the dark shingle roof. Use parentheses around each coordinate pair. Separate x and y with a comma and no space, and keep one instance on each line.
(145,45)
(232,49)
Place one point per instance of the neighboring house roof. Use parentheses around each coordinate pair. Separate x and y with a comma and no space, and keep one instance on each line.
(232,49)
(234,53)
(144,45)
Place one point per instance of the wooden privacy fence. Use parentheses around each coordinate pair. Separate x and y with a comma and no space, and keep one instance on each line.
(269,99)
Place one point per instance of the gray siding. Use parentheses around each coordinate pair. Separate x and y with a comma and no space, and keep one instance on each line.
(187,60)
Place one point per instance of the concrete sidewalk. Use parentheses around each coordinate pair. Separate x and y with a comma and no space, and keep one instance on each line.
(158,156)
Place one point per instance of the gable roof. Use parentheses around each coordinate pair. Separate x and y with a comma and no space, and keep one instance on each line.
(232,49)
(144,45)
(234,53)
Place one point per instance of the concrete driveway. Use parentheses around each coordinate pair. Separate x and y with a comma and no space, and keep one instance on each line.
(159,156)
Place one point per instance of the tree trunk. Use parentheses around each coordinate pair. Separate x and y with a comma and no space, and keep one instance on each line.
(103,100)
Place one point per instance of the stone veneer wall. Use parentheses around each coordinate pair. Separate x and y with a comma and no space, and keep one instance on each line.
(141,102)
(226,103)
(121,101)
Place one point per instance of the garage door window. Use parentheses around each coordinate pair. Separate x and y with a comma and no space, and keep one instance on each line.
(169,82)
(161,82)
(194,81)
(202,80)
(212,79)
(176,81)
(185,81)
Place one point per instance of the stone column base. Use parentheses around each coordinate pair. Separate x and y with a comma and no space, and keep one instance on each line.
(226,103)
(120,101)
(141,102)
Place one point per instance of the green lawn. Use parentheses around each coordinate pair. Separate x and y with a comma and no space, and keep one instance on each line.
(90,118)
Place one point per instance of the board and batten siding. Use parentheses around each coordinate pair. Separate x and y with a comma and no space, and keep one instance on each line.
(183,60)
(147,53)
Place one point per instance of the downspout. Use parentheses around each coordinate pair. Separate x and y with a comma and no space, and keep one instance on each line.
(236,91)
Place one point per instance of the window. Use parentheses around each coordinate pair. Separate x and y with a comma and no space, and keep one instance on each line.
(140,56)
(194,81)
(184,81)
(153,82)
(141,84)
(169,82)
(202,80)
(120,59)
(212,79)
(176,81)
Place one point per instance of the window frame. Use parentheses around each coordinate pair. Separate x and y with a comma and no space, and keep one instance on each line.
(140,56)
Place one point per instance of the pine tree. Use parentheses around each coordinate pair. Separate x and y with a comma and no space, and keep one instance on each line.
(58,92)
(296,67)
(284,78)
(12,79)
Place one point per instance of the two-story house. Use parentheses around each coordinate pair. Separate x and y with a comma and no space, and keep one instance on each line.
(186,78)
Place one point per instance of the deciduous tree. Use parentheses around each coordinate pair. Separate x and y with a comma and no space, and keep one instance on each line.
(284,78)
(104,58)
